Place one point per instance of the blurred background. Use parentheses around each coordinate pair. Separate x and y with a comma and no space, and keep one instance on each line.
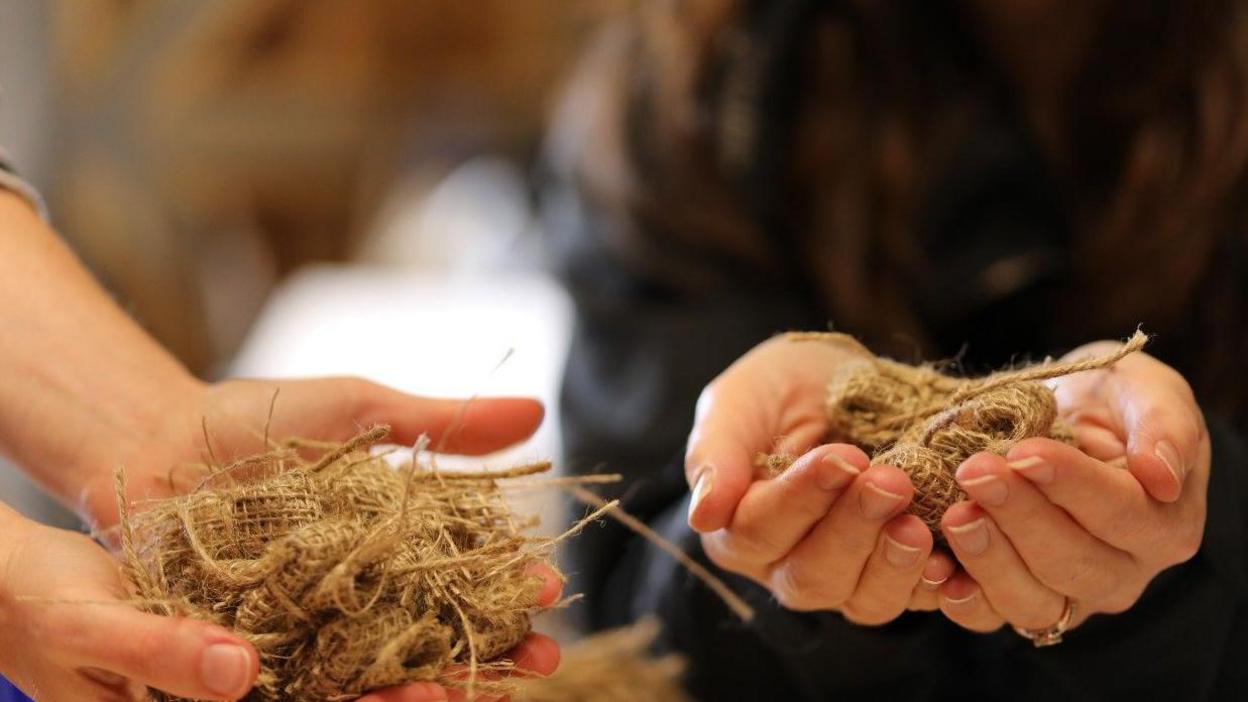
(281,188)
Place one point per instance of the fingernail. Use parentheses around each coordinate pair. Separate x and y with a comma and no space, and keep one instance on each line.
(225,669)
(987,490)
(972,537)
(932,584)
(899,554)
(1033,468)
(1165,451)
(701,488)
(848,472)
(958,601)
(876,503)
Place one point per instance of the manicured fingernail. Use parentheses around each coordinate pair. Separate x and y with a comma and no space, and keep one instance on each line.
(972,537)
(986,490)
(225,669)
(959,601)
(847,472)
(701,488)
(1033,468)
(876,503)
(899,554)
(1165,451)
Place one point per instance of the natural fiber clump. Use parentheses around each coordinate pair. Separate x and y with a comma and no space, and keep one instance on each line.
(346,574)
(927,423)
(613,666)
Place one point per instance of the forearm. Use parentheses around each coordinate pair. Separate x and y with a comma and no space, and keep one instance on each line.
(83,383)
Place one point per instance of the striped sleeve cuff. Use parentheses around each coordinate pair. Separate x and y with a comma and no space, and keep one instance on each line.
(9,180)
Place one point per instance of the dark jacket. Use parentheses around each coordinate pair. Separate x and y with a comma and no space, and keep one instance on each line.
(642,350)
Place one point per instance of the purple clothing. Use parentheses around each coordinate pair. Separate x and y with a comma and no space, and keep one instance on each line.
(8,693)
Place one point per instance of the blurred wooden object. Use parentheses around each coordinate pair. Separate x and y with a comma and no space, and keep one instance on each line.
(210,146)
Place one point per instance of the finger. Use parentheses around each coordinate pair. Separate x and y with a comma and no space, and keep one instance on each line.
(770,399)
(775,514)
(1131,521)
(963,602)
(1155,410)
(179,656)
(1164,430)
(989,557)
(1099,442)
(719,459)
(938,568)
(473,426)
(552,584)
(1056,550)
(538,654)
(414,692)
(891,573)
(823,570)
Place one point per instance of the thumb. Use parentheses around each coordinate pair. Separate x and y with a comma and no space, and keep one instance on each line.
(1164,429)
(470,426)
(182,657)
(718,460)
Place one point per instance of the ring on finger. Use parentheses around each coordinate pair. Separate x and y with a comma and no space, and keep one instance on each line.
(1052,635)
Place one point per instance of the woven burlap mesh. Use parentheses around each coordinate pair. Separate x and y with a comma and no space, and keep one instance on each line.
(345,573)
(927,423)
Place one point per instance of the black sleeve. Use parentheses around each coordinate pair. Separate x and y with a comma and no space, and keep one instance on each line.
(640,355)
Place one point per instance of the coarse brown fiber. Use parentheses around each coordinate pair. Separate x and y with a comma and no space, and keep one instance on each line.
(927,423)
(345,573)
(613,666)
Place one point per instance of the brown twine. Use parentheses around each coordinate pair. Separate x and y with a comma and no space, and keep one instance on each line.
(613,666)
(346,574)
(927,423)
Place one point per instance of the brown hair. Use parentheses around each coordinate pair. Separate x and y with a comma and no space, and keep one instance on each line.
(793,141)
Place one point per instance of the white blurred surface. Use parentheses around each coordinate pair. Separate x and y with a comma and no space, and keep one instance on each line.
(487,334)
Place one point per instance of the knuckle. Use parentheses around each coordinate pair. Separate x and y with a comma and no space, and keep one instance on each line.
(868,614)
(1121,601)
(801,590)
(721,554)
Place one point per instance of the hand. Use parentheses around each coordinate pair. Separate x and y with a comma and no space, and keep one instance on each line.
(235,413)
(827,534)
(162,460)
(69,635)
(1095,523)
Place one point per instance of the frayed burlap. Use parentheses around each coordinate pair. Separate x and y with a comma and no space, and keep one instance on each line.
(346,574)
(614,666)
(927,423)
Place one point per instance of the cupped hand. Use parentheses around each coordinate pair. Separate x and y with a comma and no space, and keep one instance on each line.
(69,634)
(226,421)
(827,534)
(1094,523)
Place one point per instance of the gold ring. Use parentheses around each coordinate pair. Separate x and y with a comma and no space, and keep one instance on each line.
(1052,635)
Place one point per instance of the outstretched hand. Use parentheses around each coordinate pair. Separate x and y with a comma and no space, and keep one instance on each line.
(827,534)
(73,651)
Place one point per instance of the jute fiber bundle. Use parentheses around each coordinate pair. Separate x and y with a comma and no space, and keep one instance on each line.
(346,574)
(927,423)
(613,666)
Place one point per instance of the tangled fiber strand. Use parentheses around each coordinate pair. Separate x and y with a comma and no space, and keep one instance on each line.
(346,574)
(927,423)
(614,666)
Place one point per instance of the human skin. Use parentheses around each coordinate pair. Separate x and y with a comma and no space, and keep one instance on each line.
(1031,537)
(85,390)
